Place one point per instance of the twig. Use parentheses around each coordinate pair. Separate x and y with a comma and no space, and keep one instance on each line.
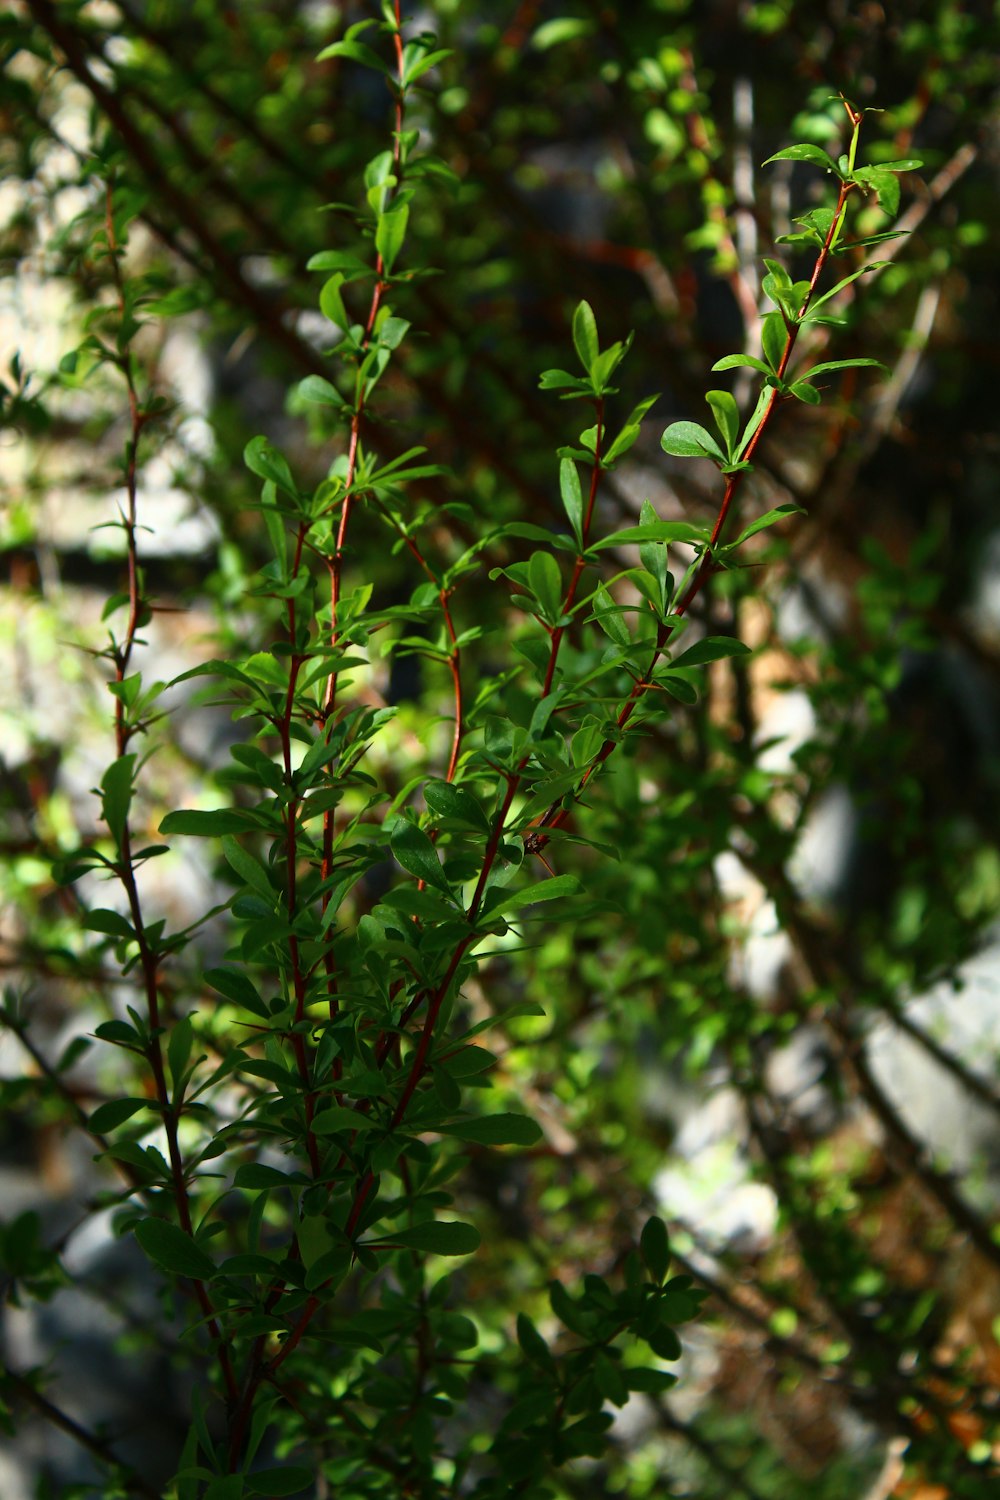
(124,1475)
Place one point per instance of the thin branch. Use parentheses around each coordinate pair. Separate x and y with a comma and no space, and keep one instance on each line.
(99,1447)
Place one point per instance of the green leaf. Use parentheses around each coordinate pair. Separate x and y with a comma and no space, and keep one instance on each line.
(339,260)
(557,380)
(259,1178)
(264,460)
(727,418)
(653,556)
(179,1049)
(424,64)
(885,184)
(690,440)
(112,923)
(369,1083)
(357,52)
(544,890)
(116,798)
(609,1379)
(501,739)
(413,849)
(315,389)
(654,1246)
(545,582)
(909,164)
(585,335)
(119,1033)
(622,443)
(390,234)
(467,1062)
(174,1250)
(563,29)
(391,333)
(768,519)
(114,1113)
(249,869)
(263,666)
(764,399)
(875,265)
(439,1237)
(235,985)
(664,1342)
(608,615)
(639,411)
(844,364)
(205,824)
(803,391)
(72,1052)
(331,303)
(679,1301)
(712,648)
(819,221)
(805,151)
(568,1311)
(572,496)
(532,1343)
(651,1381)
(773,338)
(786,296)
(678,687)
(651,531)
(629,433)
(495,1130)
(867,240)
(780,280)
(455,803)
(337,1117)
(739,361)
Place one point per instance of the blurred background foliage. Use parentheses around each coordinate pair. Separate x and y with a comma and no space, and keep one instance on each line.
(776,1014)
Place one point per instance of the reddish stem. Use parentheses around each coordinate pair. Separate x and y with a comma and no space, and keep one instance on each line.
(558,813)
(121,655)
(439,994)
(291,860)
(335,564)
(454,656)
(256,1370)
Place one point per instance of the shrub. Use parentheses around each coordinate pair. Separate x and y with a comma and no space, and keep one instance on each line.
(380,1117)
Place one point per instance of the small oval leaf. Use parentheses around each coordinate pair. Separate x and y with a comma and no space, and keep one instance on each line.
(439,1237)
(174,1250)
(495,1130)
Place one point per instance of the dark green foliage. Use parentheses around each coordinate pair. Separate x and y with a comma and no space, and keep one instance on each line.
(385,1112)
